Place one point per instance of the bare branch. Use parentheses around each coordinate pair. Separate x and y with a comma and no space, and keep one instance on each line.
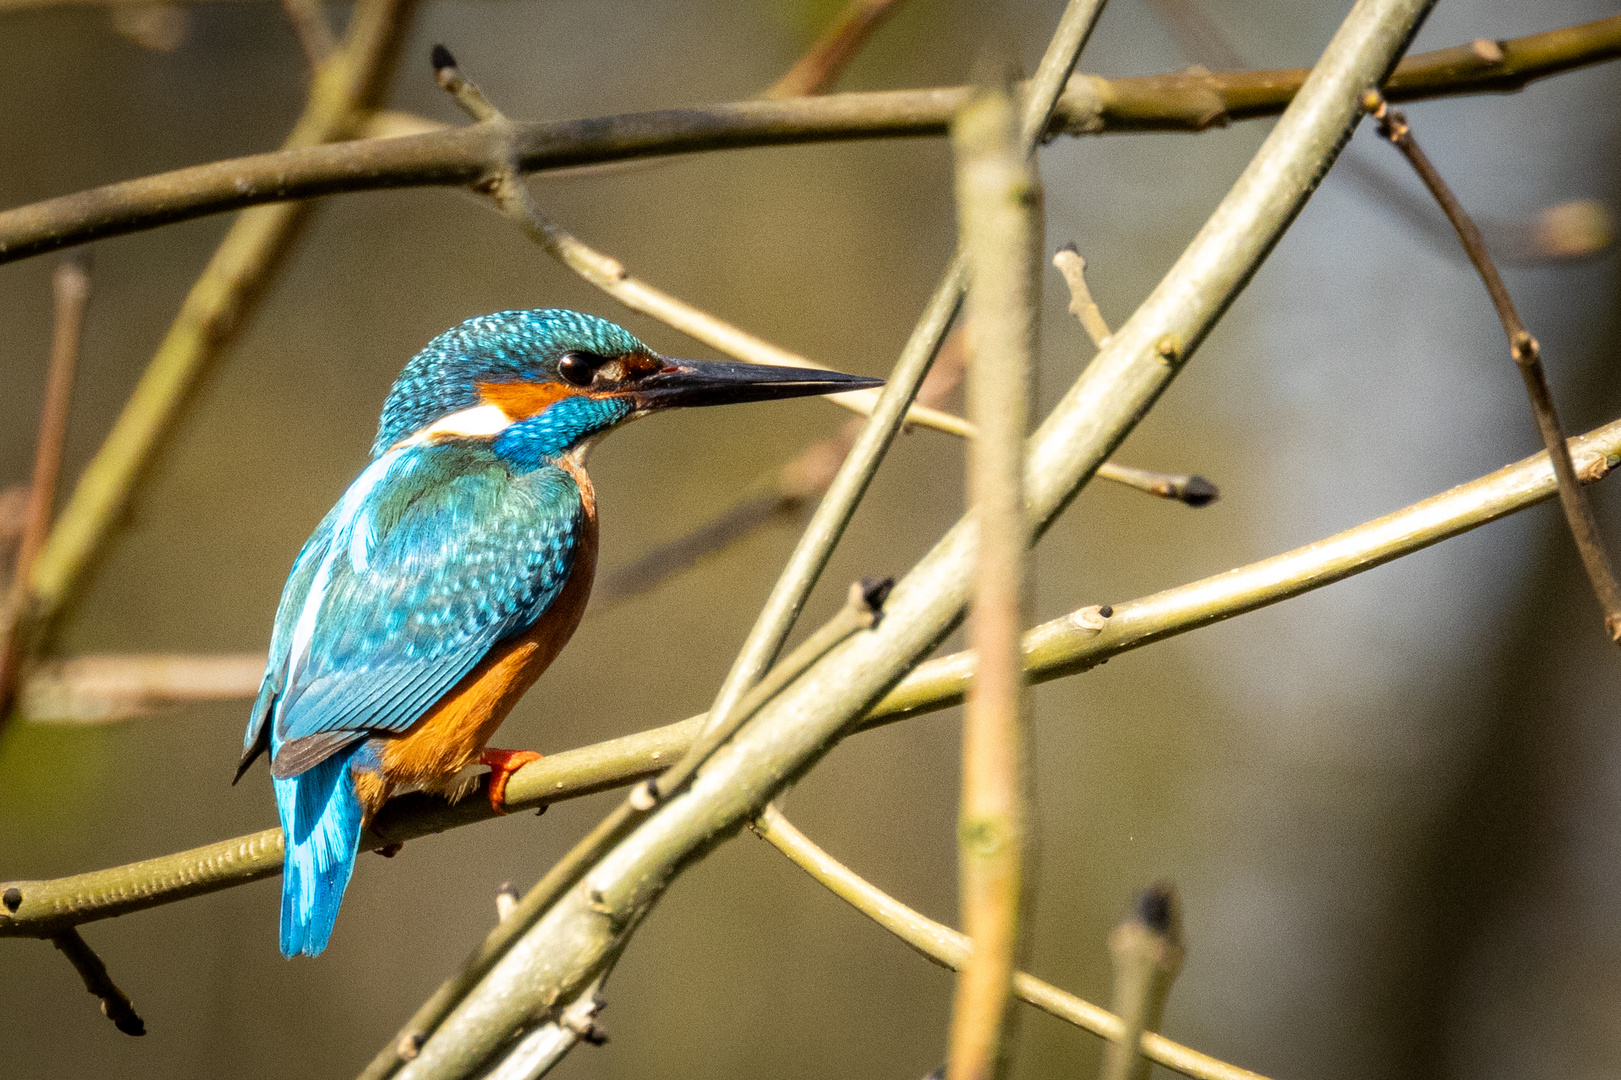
(1081,305)
(115,1006)
(999,216)
(1064,646)
(950,950)
(314,30)
(1146,951)
(827,58)
(70,288)
(1186,101)
(1527,356)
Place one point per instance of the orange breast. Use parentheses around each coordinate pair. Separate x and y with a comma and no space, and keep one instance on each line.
(452,734)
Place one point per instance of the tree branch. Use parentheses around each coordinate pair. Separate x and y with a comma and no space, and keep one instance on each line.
(815,72)
(1189,101)
(70,288)
(1064,646)
(115,1005)
(1527,357)
(950,949)
(999,217)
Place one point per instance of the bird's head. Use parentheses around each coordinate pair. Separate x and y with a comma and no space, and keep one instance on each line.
(541,382)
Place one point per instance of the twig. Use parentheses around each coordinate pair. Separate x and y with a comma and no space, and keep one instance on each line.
(950,949)
(1527,356)
(814,72)
(314,31)
(1081,305)
(216,308)
(101,688)
(1146,951)
(1184,101)
(999,220)
(547,1044)
(1064,646)
(114,1005)
(70,290)
(506,901)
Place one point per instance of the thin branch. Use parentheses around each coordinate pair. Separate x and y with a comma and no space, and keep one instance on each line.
(832,52)
(1185,101)
(950,950)
(1064,646)
(115,1006)
(98,689)
(999,220)
(1527,356)
(314,31)
(1081,305)
(70,291)
(1146,952)
(217,307)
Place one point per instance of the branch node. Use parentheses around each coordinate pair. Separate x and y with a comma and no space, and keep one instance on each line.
(13,899)
(645,796)
(1488,50)
(506,901)
(1093,618)
(410,1045)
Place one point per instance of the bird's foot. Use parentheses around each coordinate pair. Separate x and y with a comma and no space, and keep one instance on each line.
(503,763)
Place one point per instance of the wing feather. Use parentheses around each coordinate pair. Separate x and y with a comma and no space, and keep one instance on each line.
(434,555)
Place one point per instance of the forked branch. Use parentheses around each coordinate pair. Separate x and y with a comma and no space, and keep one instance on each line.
(1527,356)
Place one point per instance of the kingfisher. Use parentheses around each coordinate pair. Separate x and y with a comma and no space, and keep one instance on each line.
(451,573)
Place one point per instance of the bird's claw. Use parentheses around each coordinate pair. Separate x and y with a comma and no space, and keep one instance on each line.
(503,763)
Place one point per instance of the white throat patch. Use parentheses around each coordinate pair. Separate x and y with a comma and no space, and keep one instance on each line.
(482,421)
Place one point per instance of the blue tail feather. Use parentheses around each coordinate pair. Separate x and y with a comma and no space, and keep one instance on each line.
(320,817)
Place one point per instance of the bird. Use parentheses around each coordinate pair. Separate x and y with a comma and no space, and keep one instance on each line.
(451,573)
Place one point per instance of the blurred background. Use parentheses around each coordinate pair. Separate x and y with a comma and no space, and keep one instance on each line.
(1391,806)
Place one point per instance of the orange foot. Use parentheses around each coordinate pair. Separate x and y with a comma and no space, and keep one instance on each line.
(503,763)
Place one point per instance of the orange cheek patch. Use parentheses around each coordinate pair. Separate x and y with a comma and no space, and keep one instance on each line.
(523,399)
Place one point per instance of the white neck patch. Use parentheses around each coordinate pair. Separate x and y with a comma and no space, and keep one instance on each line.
(482,421)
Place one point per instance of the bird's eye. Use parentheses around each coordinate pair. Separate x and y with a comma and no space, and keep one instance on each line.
(578,367)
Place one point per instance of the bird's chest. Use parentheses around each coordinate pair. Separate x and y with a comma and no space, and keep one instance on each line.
(451,735)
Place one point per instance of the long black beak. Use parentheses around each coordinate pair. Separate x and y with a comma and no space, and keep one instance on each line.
(687,383)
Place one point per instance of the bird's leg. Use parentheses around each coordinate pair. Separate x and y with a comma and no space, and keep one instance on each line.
(503,763)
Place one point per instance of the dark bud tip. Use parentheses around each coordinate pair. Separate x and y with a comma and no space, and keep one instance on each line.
(594,1036)
(411,1045)
(1156,908)
(442,59)
(542,810)
(1071,248)
(1199,492)
(1106,611)
(13,898)
(874,593)
(938,1074)
(127,1022)
(507,889)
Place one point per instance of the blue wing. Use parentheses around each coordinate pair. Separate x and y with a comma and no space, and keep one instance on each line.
(433,555)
